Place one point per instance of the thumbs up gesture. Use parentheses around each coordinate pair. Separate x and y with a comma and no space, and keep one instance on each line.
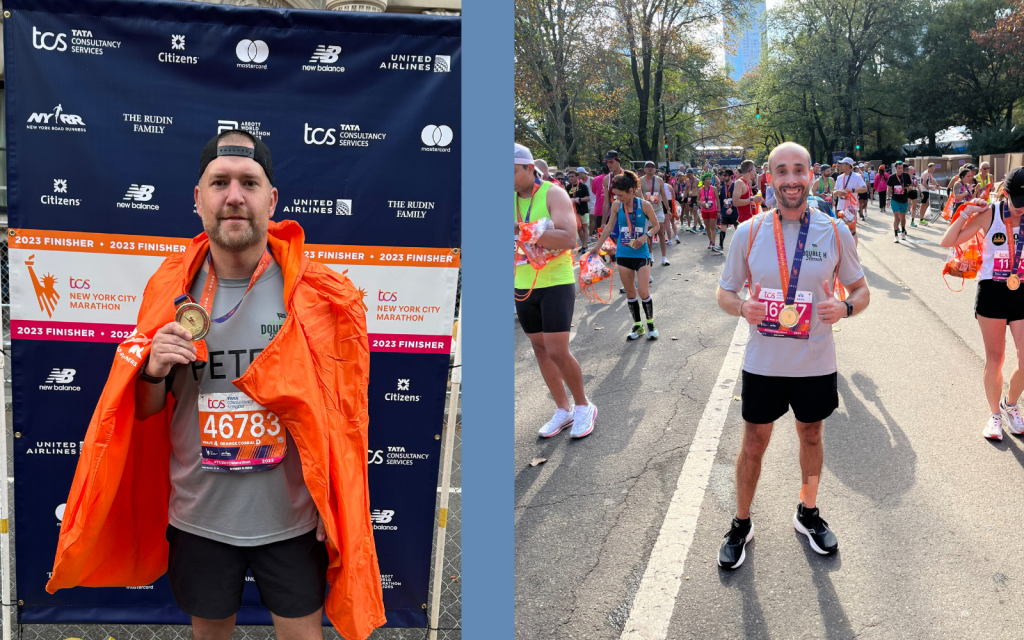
(830,310)
(752,309)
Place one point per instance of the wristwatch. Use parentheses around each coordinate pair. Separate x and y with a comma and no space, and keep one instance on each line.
(148,378)
(849,308)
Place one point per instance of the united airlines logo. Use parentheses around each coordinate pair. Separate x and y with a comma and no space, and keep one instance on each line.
(343,208)
(442,64)
(61,376)
(140,192)
(325,54)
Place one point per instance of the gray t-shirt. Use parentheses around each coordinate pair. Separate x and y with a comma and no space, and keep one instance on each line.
(790,357)
(241,509)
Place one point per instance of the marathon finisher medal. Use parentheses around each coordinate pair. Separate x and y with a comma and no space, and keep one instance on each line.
(1013,282)
(192,317)
(789,317)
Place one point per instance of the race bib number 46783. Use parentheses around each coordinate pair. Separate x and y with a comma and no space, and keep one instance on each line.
(238,434)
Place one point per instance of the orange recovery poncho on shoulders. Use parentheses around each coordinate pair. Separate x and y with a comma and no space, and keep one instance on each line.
(313,375)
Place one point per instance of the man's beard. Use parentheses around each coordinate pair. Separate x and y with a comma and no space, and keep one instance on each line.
(796,203)
(251,237)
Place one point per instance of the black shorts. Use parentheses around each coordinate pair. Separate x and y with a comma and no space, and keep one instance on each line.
(692,200)
(765,399)
(912,195)
(732,219)
(207,576)
(863,196)
(547,310)
(924,197)
(996,300)
(634,263)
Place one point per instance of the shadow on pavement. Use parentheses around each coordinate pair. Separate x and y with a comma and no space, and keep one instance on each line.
(872,457)
(833,618)
(879,283)
(742,579)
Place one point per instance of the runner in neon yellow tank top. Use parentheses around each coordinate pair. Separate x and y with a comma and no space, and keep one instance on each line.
(545,310)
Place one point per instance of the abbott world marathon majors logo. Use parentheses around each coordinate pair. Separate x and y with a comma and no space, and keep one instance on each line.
(324,58)
(429,64)
(342,135)
(251,54)
(60,380)
(55,120)
(382,520)
(176,55)
(436,138)
(139,196)
(82,41)
(255,129)
(328,207)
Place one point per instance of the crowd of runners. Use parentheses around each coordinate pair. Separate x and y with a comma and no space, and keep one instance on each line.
(793,296)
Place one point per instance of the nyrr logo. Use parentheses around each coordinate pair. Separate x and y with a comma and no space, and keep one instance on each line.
(442,64)
(177,44)
(138,197)
(324,58)
(57,41)
(437,138)
(46,289)
(252,128)
(252,54)
(56,121)
(60,185)
(59,380)
(381,519)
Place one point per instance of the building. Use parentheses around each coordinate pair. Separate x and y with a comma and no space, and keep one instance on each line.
(748,53)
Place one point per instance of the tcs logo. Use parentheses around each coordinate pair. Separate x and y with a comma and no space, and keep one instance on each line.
(387,296)
(376,456)
(78,283)
(39,40)
(215,404)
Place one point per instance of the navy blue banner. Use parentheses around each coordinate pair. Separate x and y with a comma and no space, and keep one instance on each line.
(109,104)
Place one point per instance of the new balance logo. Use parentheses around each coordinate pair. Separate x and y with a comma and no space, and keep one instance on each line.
(325,54)
(379,516)
(61,376)
(140,192)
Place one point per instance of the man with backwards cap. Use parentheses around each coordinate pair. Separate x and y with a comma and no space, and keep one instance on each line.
(179,485)
(545,298)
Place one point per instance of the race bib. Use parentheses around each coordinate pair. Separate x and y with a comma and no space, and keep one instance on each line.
(898,190)
(238,435)
(654,198)
(828,198)
(728,203)
(775,300)
(1001,266)
(625,238)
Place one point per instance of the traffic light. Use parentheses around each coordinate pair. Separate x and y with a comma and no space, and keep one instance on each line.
(757,112)
(665,139)
(858,144)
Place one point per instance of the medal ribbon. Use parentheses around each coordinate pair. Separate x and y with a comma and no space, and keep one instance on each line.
(789,281)
(629,221)
(210,288)
(1020,238)
(536,188)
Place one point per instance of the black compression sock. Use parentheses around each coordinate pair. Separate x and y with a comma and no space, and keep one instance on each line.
(634,308)
(649,308)
(721,238)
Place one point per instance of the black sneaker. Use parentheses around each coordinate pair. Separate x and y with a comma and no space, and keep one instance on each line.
(809,523)
(733,551)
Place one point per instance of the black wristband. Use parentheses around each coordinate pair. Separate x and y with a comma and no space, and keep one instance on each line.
(148,378)
(849,308)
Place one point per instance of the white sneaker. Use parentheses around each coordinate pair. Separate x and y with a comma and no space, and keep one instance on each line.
(651,281)
(664,261)
(994,428)
(583,420)
(896,239)
(561,420)
(668,243)
(1016,426)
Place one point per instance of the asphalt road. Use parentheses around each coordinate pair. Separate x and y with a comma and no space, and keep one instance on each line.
(926,511)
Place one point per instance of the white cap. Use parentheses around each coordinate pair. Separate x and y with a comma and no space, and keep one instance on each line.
(523,155)
(848,160)
(581,170)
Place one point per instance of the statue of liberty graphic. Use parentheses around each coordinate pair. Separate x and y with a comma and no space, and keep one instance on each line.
(45,291)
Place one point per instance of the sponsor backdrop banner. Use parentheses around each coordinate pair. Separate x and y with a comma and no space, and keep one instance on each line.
(108,106)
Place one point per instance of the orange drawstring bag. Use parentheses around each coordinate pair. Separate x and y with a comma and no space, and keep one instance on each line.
(536,255)
(592,271)
(947,210)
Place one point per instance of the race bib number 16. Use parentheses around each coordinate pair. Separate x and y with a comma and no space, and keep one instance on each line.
(238,435)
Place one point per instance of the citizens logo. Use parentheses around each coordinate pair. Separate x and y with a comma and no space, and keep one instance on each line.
(250,127)
(60,185)
(342,135)
(324,58)
(336,207)
(428,64)
(382,520)
(138,196)
(410,208)
(56,120)
(437,138)
(403,385)
(252,54)
(60,380)
(177,44)
(46,288)
(82,41)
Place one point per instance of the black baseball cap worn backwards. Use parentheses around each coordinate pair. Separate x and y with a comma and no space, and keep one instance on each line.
(260,152)
(1014,187)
